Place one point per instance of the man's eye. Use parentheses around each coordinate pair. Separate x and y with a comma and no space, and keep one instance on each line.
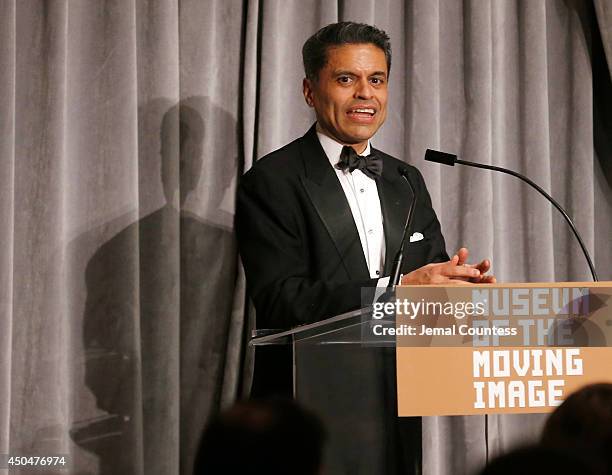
(377,81)
(344,79)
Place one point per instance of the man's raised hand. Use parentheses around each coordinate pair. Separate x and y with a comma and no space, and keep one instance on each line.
(453,272)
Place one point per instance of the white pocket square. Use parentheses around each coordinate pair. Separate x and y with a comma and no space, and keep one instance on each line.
(416,237)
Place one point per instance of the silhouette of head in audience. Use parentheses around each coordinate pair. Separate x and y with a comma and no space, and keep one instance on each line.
(583,425)
(577,438)
(270,437)
(536,460)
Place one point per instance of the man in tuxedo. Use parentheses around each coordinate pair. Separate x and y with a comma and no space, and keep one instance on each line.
(321,218)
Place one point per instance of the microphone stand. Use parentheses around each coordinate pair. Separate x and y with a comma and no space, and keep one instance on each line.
(449,159)
(399,257)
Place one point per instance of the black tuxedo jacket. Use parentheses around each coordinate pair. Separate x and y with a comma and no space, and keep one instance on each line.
(299,243)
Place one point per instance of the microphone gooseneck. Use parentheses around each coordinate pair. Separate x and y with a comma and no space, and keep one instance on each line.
(399,257)
(449,159)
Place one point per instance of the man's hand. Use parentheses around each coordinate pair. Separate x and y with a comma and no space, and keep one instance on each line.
(482,266)
(453,272)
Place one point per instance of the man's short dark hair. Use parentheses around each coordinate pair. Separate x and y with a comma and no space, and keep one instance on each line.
(314,51)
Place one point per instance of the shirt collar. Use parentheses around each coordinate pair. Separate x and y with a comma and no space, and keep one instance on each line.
(333,149)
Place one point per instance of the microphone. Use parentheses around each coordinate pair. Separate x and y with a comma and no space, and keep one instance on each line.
(440,157)
(449,159)
(399,257)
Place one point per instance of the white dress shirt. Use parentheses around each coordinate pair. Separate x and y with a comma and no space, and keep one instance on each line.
(362,196)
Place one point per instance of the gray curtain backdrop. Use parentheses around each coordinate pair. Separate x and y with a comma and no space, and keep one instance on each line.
(124,128)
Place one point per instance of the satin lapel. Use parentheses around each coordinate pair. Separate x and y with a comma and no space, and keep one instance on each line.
(328,198)
(395,199)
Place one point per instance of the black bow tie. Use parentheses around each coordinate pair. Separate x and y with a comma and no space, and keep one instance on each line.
(371,164)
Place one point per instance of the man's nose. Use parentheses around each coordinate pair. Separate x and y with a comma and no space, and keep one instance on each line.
(364,89)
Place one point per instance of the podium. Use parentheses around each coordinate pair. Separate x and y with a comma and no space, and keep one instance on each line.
(516,348)
(351,386)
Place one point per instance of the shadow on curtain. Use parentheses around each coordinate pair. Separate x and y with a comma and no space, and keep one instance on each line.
(153,291)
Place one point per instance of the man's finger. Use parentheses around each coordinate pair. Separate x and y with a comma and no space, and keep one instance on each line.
(463,255)
(458,282)
(468,272)
(483,266)
(484,279)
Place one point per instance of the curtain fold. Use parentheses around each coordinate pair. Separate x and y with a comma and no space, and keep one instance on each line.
(7,212)
(602,118)
(38,272)
(603,10)
(124,129)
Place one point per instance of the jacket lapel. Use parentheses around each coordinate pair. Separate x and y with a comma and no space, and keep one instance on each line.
(395,200)
(328,198)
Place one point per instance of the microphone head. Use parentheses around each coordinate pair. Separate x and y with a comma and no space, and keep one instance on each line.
(440,157)
(403,171)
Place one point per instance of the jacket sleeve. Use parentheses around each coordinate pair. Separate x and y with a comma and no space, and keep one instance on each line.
(275,253)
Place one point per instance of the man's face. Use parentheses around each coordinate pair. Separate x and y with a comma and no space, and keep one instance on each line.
(350,94)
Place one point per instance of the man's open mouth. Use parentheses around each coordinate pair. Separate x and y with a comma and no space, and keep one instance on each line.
(362,112)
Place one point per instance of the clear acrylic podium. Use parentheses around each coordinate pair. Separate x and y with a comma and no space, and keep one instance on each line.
(351,385)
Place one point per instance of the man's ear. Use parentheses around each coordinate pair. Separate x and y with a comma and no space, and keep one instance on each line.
(308,92)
